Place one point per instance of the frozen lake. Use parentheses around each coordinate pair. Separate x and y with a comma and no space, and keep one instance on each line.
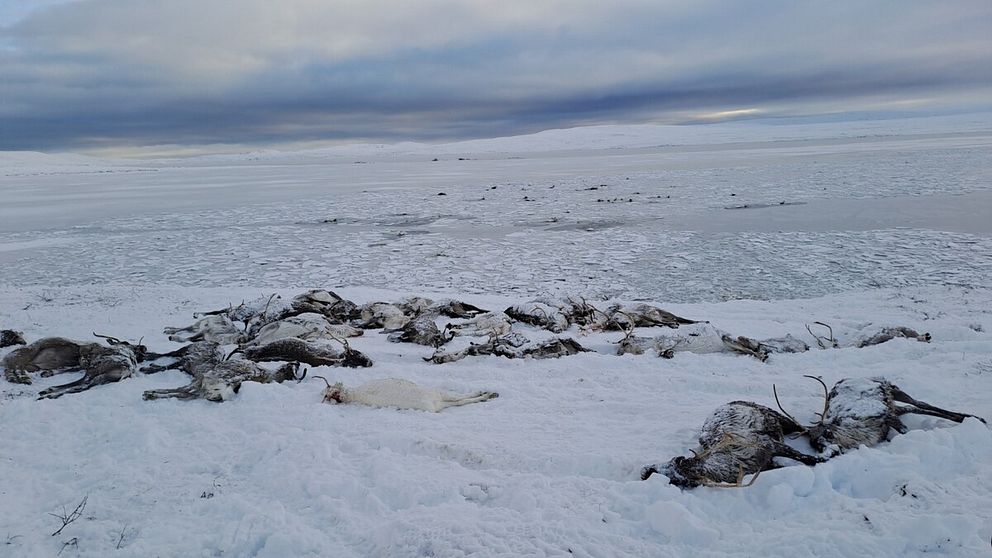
(700,222)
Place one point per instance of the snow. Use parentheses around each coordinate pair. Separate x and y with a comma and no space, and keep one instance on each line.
(551,467)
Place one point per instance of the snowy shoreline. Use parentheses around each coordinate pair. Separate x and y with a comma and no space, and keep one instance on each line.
(551,465)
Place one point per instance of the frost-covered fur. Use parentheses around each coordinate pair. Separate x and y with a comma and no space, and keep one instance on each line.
(863,411)
(620,316)
(490,323)
(9,338)
(512,345)
(382,314)
(703,338)
(421,330)
(313,353)
(402,394)
(102,365)
(214,378)
(307,326)
(739,438)
(540,314)
(890,333)
(215,328)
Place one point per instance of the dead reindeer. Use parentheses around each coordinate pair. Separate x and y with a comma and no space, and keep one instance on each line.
(890,333)
(215,328)
(702,338)
(214,378)
(101,365)
(421,330)
(10,338)
(499,345)
(490,323)
(381,315)
(512,345)
(46,355)
(457,309)
(554,348)
(885,334)
(326,303)
(415,305)
(315,354)
(401,394)
(622,317)
(539,314)
(860,411)
(307,326)
(257,312)
(739,439)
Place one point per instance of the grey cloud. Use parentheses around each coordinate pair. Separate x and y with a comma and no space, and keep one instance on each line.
(104,72)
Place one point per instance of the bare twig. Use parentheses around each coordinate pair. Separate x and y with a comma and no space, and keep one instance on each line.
(68,518)
(120,540)
(74,542)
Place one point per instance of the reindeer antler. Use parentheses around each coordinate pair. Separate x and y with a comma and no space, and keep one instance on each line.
(826,396)
(111,340)
(823,341)
(784,412)
(323,378)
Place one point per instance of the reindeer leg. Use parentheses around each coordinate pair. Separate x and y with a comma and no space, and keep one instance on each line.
(17,377)
(895,424)
(186,392)
(926,408)
(155,368)
(48,373)
(783,450)
(178,353)
(459,400)
(54,392)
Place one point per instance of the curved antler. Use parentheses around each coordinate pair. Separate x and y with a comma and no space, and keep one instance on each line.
(784,412)
(826,396)
(823,341)
(323,378)
(111,340)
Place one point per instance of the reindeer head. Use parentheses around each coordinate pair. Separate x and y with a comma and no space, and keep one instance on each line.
(9,338)
(683,472)
(821,434)
(139,350)
(332,393)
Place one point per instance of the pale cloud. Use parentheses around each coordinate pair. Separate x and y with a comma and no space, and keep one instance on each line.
(97,72)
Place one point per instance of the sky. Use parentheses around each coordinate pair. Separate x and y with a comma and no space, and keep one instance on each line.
(84,75)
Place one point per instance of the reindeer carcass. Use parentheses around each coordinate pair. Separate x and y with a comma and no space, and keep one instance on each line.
(739,439)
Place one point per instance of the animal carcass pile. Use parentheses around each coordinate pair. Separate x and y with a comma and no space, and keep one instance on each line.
(274,340)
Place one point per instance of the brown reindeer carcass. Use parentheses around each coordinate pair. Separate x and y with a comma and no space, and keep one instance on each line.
(739,439)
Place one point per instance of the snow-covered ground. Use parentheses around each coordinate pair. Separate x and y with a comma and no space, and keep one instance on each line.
(862,226)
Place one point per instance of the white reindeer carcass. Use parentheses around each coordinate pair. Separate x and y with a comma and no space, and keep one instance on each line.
(402,394)
(215,328)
